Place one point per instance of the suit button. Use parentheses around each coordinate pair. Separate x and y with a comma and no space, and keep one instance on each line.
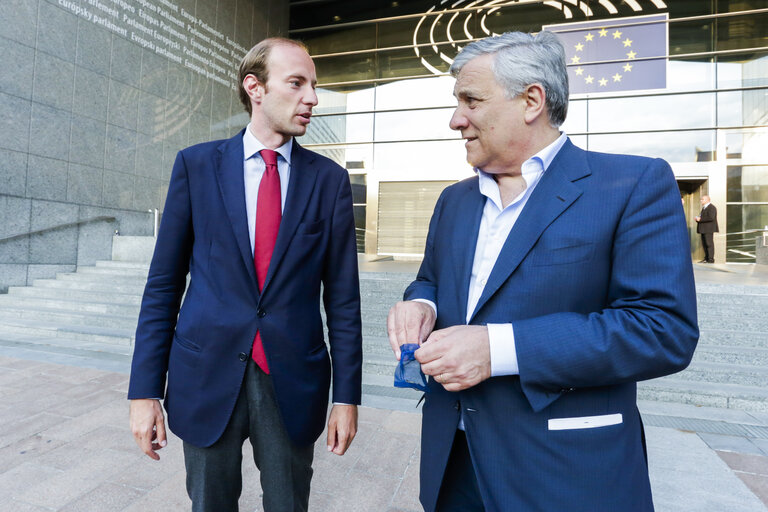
(261,313)
(457,406)
(242,356)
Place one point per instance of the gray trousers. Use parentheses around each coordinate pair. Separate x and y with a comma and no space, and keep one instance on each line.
(214,477)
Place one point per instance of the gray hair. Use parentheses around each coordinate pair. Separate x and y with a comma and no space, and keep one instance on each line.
(520,60)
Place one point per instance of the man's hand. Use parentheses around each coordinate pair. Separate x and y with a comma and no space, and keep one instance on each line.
(409,322)
(148,425)
(458,357)
(342,428)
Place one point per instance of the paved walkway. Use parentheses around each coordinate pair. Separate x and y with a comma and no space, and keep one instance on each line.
(65,446)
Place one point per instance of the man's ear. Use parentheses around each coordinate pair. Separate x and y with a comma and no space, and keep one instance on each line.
(535,102)
(253,88)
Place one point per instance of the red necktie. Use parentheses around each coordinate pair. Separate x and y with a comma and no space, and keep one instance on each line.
(268,215)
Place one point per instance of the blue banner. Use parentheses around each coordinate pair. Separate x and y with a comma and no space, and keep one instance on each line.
(626,54)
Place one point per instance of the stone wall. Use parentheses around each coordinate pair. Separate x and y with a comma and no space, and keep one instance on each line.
(96,98)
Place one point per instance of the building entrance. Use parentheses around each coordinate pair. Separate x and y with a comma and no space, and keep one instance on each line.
(691,190)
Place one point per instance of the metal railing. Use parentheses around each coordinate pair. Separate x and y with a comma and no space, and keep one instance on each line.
(740,245)
(17,236)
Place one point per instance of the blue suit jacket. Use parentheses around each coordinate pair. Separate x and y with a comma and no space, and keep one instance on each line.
(596,278)
(204,233)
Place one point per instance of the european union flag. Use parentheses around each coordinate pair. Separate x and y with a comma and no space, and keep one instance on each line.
(610,55)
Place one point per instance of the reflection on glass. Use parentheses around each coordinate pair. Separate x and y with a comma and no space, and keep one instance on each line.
(742,70)
(693,146)
(729,108)
(743,222)
(414,125)
(346,68)
(747,184)
(360,37)
(576,120)
(652,112)
(746,31)
(339,128)
(686,75)
(437,160)
(691,36)
(417,93)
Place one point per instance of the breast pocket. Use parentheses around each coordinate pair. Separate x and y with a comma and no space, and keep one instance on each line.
(310,228)
(562,255)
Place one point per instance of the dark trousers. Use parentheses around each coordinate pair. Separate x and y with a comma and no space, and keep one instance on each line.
(708,243)
(214,477)
(459,491)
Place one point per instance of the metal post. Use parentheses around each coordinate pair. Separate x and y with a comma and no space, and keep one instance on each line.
(156,223)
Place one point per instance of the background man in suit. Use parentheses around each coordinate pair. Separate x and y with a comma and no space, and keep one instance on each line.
(258,231)
(554,280)
(706,225)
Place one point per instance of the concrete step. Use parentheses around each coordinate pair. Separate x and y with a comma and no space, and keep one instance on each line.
(137,273)
(723,299)
(379,365)
(131,287)
(731,289)
(67,318)
(64,343)
(69,305)
(746,356)
(725,373)
(84,333)
(705,394)
(122,264)
(67,294)
(733,338)
(100,277)
(743,323)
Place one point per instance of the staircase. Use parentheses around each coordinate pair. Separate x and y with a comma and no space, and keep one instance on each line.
(89,317)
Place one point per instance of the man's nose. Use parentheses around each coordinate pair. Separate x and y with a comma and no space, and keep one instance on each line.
(458,121)
(310,98)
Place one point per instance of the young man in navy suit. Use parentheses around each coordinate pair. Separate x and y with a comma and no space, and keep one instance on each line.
(575,284)
(258,223)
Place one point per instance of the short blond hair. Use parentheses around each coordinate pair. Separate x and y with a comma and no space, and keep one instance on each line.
(255,63)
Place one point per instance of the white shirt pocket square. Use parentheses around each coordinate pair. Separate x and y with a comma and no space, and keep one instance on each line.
(585,422)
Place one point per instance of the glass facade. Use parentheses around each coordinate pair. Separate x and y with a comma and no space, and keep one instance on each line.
(385,91)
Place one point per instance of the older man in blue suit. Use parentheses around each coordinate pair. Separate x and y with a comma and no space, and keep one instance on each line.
(258,223)
(552,282)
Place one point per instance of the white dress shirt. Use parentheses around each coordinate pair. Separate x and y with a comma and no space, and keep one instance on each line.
(495,226)
(253,170)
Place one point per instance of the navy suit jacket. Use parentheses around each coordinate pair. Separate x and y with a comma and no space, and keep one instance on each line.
(596,279)
(204,233)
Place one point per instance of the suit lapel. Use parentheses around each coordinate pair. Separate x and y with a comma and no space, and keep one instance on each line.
(467,225)
(551,197)
(300,187)
(232,187)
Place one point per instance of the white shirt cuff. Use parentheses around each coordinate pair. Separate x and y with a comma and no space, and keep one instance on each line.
(501,338)
(426,301)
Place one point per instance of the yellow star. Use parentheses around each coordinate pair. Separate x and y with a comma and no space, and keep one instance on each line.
(627,67)
(579,71)
(579,47)
(617,34)
(590,36)
(589,79)
(603,32)
(603,82)
(616,77)
(575,59)
(627,42)
(631,55)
